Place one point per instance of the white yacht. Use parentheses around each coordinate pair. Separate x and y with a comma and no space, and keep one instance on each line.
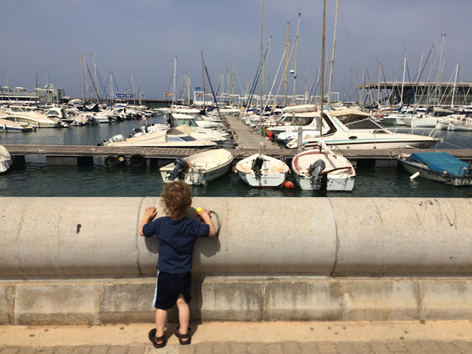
(365,134)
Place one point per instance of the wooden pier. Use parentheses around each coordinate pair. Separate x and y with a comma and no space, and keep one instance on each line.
(247,143)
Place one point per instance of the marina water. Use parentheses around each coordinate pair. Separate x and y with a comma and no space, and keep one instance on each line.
(37,179)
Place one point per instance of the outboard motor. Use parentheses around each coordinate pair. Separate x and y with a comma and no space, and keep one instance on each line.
(257,166)
(315,172)
(181,166)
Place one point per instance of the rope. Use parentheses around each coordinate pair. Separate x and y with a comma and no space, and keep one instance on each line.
(457,146)
(217,221)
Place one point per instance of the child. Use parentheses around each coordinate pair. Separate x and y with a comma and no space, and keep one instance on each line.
(176,235)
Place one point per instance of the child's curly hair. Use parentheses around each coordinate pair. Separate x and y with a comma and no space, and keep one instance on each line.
(176,199)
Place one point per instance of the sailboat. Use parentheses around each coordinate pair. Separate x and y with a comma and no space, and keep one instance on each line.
(320,168)
(260,170)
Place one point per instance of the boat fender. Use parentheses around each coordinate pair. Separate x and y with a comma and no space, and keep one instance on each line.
(413,176)
(181,166)
(136,160)
(111,161)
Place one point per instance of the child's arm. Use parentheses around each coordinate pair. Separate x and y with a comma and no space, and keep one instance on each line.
(149,215)
(205,214)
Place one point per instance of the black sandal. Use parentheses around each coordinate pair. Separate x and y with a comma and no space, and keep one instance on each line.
(183,336)
(154,340)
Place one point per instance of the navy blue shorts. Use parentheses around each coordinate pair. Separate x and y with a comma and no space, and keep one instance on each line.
(169,287)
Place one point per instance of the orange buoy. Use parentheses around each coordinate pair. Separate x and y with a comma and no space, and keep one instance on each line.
(288,185)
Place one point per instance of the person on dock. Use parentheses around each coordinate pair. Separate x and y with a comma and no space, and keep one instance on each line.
(176,235)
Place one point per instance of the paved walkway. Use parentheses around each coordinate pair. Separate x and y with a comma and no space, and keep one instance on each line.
(235,337)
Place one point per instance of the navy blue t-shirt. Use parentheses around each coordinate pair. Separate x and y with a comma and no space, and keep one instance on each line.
(176,239)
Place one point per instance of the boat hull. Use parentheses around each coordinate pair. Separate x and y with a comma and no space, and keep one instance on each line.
(204,167)
(458,175)
(273,172)
(338,174)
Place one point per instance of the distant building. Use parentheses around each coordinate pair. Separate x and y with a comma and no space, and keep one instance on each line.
(420,93)
(39,95)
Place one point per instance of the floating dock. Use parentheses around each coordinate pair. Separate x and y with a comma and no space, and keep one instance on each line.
(247,143)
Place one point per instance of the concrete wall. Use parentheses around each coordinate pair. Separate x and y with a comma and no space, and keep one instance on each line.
(258,236)
(81,260)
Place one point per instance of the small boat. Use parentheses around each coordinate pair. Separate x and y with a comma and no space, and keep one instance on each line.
(198,169)
(438,166)
(262,171)
(5,159)
(323,170)
(9,126)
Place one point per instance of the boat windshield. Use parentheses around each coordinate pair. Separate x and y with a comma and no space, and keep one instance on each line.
(180,138)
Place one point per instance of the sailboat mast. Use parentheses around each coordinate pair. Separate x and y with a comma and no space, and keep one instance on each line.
(286,66)
(323,57)
(82,77)
(296,58)
(174,87)
(403,81)
(332,54)
(262,67)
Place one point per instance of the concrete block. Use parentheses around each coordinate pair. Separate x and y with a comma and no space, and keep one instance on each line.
(59,303)
(380,300)
(226,300)
(127,302)
(69,236)
(303,300)
(402,237)
(7,299)
(447,299)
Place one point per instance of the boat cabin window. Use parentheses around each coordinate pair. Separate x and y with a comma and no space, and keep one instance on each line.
(186,121)
(180,138)
(302,120)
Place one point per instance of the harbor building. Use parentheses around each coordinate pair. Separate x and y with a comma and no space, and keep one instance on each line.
(419,93)
(38,95)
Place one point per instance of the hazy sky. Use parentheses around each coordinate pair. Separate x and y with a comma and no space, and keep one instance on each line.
(137,40)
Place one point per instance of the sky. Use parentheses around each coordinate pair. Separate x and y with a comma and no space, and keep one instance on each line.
(49,41)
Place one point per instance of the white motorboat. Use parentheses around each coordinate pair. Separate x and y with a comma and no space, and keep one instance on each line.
(178,119)
(161,138)
(10,126)
(33,118)
(464,124)
(370,136)
(322,170)
(438,166)
(290,122)
(5,159)
(198,169)
(285,137)
(262,171)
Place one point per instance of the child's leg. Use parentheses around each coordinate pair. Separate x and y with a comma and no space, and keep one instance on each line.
(161,319)
(184,315)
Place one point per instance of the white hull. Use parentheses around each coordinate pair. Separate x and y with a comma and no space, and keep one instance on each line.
(33,122)
(273,172)
(428,122)
(337,175)
(5,159)
(161,138)
(342,137)
(459,127)
(204,167)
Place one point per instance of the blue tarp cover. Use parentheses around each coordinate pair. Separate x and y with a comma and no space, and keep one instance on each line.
(441,161)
